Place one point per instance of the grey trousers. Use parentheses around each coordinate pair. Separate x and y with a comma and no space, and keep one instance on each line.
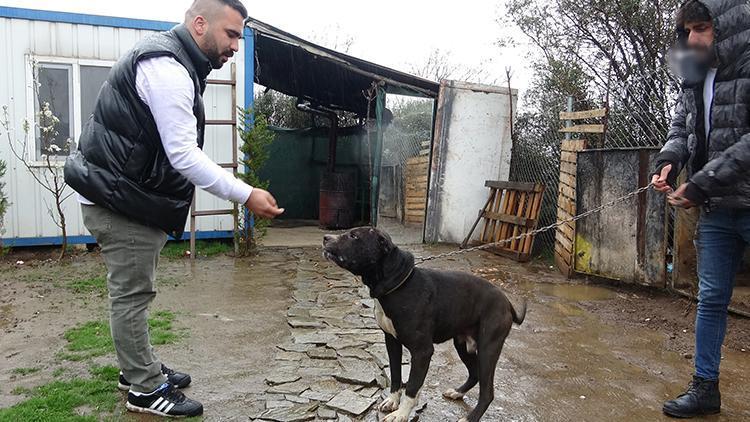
(131,253)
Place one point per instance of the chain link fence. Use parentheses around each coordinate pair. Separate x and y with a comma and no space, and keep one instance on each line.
(404,167)
(639,114)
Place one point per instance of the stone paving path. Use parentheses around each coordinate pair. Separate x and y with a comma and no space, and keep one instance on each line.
(335,365)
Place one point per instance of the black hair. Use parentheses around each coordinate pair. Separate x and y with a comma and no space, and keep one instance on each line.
(236,5)
(692,11)
(205,6)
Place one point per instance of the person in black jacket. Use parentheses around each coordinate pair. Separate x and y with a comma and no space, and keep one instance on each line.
(710,137)
(138,161)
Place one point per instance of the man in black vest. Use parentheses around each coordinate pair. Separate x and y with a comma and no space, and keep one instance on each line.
(138,161)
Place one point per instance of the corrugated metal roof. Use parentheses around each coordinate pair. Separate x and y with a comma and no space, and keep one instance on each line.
(300,68)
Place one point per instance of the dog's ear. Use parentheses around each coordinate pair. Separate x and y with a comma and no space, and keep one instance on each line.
(384,240)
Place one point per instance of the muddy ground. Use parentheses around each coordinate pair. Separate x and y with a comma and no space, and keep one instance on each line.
(585,352)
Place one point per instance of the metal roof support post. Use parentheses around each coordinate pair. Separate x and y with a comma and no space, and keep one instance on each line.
(569,123)
(377,159)
(249,38)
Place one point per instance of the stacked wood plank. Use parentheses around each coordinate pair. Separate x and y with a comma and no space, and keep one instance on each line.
(566,206)
(415,196)
(511,210)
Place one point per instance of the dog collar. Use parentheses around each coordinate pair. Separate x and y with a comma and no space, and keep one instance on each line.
(400,284)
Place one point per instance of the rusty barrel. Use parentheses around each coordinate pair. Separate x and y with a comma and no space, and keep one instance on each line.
(337,204)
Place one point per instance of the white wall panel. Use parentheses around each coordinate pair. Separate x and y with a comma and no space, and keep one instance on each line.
(28,216)
(474,145)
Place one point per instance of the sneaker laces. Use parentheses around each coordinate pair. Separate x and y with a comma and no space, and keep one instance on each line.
(173,394)
(166,370)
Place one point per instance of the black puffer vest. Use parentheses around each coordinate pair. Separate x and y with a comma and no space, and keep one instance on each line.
(120,163)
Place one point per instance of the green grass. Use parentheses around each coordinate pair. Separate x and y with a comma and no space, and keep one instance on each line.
(88,340)
(161,329)
(203,248)
(25,371)
(20,390)
(96,285)
(58,372)
(94,338)
(61,400)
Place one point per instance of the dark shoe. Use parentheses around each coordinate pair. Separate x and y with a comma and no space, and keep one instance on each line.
(178,379)
(166,400)
(701,398)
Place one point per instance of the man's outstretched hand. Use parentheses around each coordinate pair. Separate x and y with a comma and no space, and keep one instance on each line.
(660,180)
(263,204)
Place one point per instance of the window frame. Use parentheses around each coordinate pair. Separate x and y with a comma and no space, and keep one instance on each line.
(37,157)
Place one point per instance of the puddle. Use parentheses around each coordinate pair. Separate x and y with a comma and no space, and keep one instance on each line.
(573,292)
(577,292)
(568,309)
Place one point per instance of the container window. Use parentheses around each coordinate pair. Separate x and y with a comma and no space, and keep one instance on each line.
(92,79)
(54,109)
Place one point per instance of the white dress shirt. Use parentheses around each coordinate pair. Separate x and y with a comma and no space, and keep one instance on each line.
(166,88)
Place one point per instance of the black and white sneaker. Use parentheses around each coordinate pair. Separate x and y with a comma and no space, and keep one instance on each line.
(178,379)
(166,401)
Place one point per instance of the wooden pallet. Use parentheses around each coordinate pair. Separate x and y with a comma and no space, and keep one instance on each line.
(565,235)
(512,209)
(415,192)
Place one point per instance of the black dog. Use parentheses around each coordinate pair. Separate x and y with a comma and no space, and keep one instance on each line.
(418,307)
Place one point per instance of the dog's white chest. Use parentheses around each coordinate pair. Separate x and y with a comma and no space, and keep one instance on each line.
(384,322)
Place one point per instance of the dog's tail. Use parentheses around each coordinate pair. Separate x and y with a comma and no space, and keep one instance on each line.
(518,317)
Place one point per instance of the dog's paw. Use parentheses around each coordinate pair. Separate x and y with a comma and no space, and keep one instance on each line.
(453,395)
(463,420)
(404,410)
(397,416)
(391,402)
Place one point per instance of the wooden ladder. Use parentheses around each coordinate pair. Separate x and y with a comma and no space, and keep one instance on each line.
(234,165)
(565,236)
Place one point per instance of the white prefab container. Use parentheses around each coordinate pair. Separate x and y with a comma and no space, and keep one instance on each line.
(472,144)
(73,52)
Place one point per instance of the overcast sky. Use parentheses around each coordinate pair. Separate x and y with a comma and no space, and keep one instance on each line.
(389,32)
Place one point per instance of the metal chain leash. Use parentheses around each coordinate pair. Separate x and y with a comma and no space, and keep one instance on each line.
(420,260)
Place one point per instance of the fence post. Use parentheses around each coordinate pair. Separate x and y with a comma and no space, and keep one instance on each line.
(569,123)
(565,235)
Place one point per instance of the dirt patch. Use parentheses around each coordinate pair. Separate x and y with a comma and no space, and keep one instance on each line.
(628,306)
(667,313)
(582,345)
(39,254)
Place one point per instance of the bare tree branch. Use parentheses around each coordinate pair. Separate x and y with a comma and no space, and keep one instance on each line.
(51,178)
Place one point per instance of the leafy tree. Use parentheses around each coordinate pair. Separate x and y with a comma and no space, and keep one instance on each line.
(256,139)
(630,37)
(413,116)
(410,127)
(281,111)
(602,51)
